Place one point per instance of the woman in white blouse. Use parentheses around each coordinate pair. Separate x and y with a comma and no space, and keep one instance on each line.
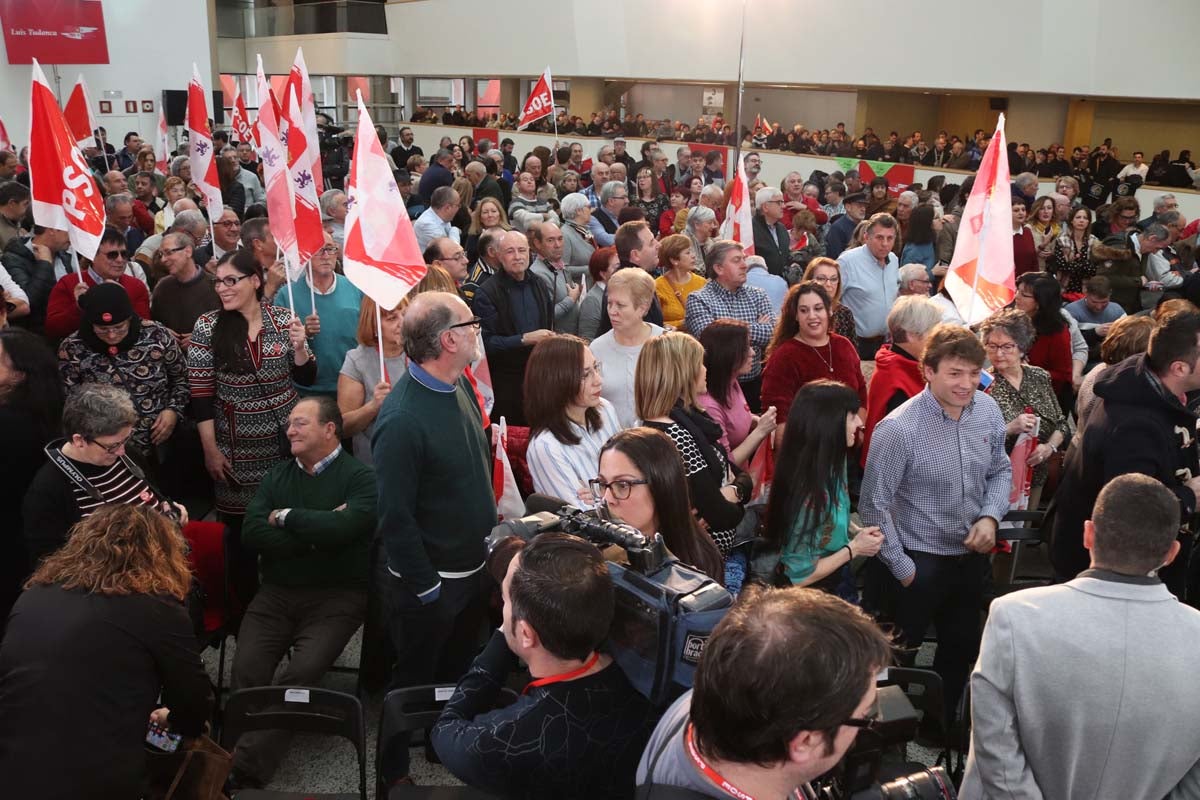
(630,293)
(568,419)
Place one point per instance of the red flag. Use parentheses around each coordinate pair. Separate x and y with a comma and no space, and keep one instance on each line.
(242,130)
(306,113)
(504,483)
(310,234)
(78,114)
(65,196)
(739,219)
(5,142)
(380,256)
(276,180)
(200,149)
(981,275)
(162,145)
(540,103)
(757,121)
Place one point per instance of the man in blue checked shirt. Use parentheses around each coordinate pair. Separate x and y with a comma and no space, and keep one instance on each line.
(937,482)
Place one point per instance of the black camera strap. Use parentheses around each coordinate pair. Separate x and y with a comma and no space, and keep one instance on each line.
(67,467)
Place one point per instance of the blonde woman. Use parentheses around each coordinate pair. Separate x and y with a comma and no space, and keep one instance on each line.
(361,389)
(630,294)
(489,213)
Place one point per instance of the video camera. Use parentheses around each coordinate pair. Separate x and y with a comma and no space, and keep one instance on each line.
(665,611)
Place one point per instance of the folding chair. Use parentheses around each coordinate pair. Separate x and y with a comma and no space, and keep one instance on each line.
(407,710)
(300,710)
(1017,535)
(207,550)
(928,701)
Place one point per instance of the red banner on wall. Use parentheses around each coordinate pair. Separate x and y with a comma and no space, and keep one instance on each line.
(54,31)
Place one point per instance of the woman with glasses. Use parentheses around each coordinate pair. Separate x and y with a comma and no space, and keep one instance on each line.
(242,361)
(641,482)
(808,516)
(1023,392)
(828,273)
(568,419)
(1071,261)
(114,346)
(1038,296)
(649,197)
(361,389)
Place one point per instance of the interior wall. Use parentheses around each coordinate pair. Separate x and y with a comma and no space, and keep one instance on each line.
(809,107)
(1147,126)
(1036,119)
(659,100)
(962,114)
(903,112)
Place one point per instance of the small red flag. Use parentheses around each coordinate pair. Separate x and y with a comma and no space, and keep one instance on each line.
(540,103)
(242,129)
(200,149)
(79,117)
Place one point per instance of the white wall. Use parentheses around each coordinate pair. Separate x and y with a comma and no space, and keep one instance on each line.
(811,108)
(1037,119)
(1036,46)
(659,100)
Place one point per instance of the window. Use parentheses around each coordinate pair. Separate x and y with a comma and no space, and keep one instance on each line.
(440,92)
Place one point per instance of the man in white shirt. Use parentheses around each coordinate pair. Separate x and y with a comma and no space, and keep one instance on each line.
(435,220)
(870,282)
(1138,167)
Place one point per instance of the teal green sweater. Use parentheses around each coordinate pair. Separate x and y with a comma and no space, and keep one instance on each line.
(434,469)
(317,547)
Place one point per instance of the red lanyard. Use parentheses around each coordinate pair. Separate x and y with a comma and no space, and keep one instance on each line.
(563,676)
(715,777)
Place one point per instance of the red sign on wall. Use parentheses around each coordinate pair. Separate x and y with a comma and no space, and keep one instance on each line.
(54,31)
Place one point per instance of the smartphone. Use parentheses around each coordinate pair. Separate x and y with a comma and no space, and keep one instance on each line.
(162,738)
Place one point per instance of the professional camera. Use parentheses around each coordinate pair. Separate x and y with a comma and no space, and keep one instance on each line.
(665,611)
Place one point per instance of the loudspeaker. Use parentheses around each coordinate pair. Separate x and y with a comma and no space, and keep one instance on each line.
(998,103)
(174,103)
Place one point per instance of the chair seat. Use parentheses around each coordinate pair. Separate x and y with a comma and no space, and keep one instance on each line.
(267,794)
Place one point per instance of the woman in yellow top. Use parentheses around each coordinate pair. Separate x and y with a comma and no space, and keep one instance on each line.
(678,261)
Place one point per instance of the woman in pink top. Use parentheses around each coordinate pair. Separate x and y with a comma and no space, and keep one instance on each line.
(727,355)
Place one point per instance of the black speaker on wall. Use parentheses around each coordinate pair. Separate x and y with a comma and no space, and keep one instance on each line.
(174,103)
(998,103)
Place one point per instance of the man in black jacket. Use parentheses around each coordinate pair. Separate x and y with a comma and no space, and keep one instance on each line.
(579,727)
(771,240)
(1144,425)
(636,247)
(31,262)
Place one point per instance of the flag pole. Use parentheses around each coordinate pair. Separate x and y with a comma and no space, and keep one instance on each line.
(737,122)
(379,337)
(75,263)
(312,293)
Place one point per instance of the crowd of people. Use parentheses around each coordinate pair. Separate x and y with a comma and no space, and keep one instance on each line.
(811,426)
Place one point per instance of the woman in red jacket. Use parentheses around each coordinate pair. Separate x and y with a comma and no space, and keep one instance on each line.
(1025,257)
(1039,296)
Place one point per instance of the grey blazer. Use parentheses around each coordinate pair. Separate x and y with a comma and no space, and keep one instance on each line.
(1086,691)
(576,249)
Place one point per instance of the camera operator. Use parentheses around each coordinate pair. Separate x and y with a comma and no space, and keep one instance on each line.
(785,683)
(1124,725)
(335,162)
(579,727)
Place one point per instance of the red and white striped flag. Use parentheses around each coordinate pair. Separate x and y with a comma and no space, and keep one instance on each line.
(65,196)
(277,182)
(310,234)
(540,103)
(200,149)
(162,145)
(307,112)
(380,255)
(739,219)
(981,279)
(242,130)
(79,117)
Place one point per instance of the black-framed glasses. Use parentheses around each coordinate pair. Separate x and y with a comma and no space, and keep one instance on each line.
(112,449)
(230,223)
(869,723)
(229,281)
(328,250)
(621,488)
(174,249)
(473,322)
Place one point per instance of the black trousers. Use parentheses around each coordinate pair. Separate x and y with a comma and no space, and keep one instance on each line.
(947,591)
(752,389)
(867,346)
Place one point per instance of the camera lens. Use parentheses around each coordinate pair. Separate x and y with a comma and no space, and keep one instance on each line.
(928,784)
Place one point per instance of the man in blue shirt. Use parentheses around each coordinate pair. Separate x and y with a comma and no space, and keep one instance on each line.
(1095,312)
(333,324)
(871,282)
(937,483)
(841,230)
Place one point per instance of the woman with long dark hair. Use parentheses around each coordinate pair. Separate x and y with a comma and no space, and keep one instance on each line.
(1071,260)
(923,227)
(233,194)
(728,355)
(1040,297)
(641,482)
(808,515)
(31,405)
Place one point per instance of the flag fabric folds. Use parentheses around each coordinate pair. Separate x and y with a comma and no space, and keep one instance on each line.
(243,131)
(65,196)
(162,145)
(276,181)
(200,149)
(306,209)
(540,103)
(307,113)
(504,483)
(739,219)
(79,116)
(980,279)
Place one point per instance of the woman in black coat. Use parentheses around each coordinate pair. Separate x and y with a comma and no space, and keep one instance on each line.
(100,633)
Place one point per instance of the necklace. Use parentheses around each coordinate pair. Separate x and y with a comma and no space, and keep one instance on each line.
(827,362)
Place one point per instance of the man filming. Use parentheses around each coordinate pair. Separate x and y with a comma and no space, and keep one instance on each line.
(579,727)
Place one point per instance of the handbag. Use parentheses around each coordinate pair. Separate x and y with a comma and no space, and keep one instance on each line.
(197,771)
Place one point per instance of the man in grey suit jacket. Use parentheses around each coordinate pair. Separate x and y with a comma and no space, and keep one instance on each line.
(1086,689)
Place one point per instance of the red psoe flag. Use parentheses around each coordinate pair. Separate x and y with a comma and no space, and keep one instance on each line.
(739,219)
(277,182)
(242,129)
(307,113)
(981,275)
(540,103)
(79,117)
(200,149)
(162,145)
(65,196)
(380,256)
(310,234)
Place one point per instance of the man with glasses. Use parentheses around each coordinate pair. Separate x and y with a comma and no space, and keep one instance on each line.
(786,682)
(771,239)
(257,237)
(62,309)
(1124,257)
(448,254)
(87,469)
(185,293)
(433,468)
(914,280)
(614,195)
(331,325)
(226,231)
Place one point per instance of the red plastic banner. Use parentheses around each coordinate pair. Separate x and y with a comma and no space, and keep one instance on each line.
(54,31)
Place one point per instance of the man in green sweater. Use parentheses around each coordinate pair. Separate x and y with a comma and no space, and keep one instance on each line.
(311,522)
(436,504)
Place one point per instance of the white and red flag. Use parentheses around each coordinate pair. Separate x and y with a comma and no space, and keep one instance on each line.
(381,256)
(65,195)
(540,103)
(243,131)
(739,219)
(162,145)
(307,112)
(5,142)
(509,504)
(310,234)
(79,117)
(276,181)
(200,149)
(981,275)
